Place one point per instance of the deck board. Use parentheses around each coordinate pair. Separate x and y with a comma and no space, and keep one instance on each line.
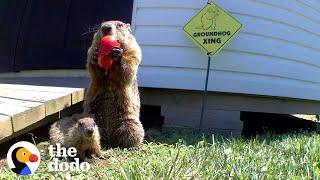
(5,126)
(22,112)
(76,93)
(23,105)
(21,116)
(54,101)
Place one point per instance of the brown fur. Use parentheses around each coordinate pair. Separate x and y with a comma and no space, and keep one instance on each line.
(113,97)
(69,132)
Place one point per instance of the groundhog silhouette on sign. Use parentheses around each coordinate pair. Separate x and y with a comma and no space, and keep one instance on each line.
(208,19)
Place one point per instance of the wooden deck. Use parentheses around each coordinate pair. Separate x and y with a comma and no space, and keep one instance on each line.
(22,106)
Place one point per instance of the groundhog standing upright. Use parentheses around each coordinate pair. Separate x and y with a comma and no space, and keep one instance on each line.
(113,95)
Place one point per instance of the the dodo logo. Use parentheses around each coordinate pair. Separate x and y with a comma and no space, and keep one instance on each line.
(23,158)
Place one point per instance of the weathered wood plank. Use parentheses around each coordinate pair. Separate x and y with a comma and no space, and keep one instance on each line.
(5,126)
(37,108)
(76,93)
(46,120)
(21,116)
(38,88)
(77,108)
(65,79)
(58,104)
(11,106)
(21,103)
(23,106)
(78,96)
(54,101)
(36,96)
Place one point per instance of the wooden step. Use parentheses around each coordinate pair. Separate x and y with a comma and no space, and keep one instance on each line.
(23,105)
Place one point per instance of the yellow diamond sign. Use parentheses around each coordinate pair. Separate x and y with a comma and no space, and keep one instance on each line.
(212,28)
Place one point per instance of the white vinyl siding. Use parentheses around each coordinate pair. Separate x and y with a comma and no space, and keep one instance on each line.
(277,53)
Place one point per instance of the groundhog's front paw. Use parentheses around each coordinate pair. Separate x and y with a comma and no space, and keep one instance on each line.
(117,53)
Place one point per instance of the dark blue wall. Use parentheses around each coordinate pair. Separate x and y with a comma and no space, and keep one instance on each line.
(38,34)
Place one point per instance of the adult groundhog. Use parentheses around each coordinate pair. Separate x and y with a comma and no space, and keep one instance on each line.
(113,95)
(77,131)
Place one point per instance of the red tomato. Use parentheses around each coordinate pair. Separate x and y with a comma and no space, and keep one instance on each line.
(106,44)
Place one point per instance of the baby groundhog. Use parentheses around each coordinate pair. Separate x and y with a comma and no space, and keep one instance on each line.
(77,131)
(113,95)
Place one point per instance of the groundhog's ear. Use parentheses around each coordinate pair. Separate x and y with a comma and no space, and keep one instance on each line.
(129,27)
(217,12)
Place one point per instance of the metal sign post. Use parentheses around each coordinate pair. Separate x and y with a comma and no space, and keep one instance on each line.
(204,97)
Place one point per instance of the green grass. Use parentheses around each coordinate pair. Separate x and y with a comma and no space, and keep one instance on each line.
(187,156)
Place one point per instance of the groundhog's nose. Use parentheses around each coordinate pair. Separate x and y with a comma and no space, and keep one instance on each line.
(106,29)
(89,131)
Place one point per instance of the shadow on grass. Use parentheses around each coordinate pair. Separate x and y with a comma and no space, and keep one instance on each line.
(255,123)
(187,138)
(195,138)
